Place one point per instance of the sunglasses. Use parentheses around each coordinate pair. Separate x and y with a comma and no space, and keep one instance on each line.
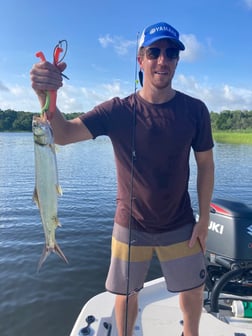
(154,53)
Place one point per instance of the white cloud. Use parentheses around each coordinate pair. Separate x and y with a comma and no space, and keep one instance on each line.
(248,3)
(3,87)
(82,99)
(193,48)
(18,98)
(70,98)
(217,98)
(113,89)
(120,45)
(106,40)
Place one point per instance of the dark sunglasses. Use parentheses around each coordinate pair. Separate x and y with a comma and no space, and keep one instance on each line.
(154,52)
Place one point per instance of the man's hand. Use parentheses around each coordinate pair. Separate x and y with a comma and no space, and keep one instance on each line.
(199,233)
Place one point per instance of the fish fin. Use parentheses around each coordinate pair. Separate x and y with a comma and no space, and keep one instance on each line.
(46,252)
(35,197)
(59,190)
(56,221)
(58,251)
(54,148)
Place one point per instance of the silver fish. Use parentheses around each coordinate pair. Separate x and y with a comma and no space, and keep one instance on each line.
(47,186)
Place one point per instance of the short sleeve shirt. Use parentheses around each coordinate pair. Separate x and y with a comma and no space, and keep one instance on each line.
(152,144)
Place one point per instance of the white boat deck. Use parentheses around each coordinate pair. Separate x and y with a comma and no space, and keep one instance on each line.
(159,315)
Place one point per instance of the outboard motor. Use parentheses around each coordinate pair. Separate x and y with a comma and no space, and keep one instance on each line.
(230,234)
(229,251)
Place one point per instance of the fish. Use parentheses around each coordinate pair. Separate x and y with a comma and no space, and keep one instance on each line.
(47,187)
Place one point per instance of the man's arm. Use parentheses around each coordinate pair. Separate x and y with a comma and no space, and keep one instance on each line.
(45,77)
(68,131)
(205,183)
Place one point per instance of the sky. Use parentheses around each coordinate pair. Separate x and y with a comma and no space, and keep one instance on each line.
(216,66)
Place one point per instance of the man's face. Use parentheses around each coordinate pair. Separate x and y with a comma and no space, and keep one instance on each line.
(159,62)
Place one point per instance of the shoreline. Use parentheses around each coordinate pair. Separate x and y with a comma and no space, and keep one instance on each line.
(239,138)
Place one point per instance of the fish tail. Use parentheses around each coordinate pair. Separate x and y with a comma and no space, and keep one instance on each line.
(58,251)
(46,252)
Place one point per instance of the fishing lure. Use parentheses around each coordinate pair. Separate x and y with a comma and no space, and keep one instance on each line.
(51,96)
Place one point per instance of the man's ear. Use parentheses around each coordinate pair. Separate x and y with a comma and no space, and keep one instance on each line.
(177,61)
(140,61)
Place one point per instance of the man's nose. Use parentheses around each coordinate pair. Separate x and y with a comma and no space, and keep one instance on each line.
(162,56)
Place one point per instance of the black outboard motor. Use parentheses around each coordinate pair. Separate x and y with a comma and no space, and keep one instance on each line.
(230,234)
(229,250)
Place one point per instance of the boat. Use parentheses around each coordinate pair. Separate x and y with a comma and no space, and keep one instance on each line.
(227,308)
(159,314)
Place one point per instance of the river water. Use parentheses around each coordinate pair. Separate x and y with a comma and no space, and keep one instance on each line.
(48,302)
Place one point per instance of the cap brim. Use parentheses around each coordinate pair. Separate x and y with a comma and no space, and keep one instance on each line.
(178,43)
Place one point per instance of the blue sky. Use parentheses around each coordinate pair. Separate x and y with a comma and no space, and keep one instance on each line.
(216,66)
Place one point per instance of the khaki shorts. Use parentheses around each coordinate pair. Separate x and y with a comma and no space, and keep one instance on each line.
(182,267)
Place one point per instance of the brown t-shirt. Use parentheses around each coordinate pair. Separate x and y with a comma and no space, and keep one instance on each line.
(161,137)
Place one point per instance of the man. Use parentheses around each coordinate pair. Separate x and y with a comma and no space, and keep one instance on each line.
(152,132)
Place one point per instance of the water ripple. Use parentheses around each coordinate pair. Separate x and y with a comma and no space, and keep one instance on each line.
(36,303)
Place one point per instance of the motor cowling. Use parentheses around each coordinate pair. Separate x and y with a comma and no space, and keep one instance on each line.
(229,240)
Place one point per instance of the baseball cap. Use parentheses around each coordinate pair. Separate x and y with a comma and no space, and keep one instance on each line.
(158,31)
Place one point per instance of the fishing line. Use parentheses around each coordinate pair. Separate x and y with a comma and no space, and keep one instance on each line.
(133,159)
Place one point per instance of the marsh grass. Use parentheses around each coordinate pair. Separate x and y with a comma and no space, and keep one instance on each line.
(233,137)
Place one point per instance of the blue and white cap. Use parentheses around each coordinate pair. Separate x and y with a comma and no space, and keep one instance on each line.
(158,31)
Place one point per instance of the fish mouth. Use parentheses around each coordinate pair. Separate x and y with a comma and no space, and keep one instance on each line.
(42,131)
(39,119)
(38,129)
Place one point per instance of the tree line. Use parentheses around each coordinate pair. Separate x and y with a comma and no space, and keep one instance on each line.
(16,121)
(20,121)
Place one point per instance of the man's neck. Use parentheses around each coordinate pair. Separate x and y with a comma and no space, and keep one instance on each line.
(158,96)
